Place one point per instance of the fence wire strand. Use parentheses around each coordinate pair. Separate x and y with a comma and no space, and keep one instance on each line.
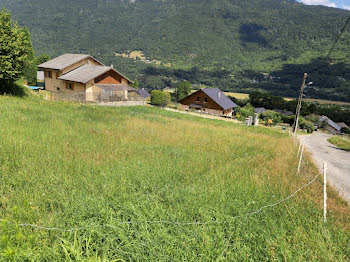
(169,222)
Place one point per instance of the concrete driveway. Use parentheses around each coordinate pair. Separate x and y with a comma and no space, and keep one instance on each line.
(338,161)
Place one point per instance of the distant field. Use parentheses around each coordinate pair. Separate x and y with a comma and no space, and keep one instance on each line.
(237,95)
(69,165)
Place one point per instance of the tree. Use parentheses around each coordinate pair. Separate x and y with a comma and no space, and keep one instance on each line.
(29,71)
(15,50)
(183,89)
(135,84)
(42,59)
(160,98)
(244,112)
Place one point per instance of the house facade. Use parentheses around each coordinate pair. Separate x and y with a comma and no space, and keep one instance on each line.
(83,74)
(210,101)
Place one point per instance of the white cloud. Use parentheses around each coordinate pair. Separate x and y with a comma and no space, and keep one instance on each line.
(347,7)
(319,2)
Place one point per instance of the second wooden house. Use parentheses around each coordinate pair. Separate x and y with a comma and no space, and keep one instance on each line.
(209,100)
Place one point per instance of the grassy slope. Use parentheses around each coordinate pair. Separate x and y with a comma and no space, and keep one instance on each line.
(341,142)
(70,165)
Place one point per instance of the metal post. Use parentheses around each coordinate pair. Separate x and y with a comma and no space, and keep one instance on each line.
(324,192)
(296,120)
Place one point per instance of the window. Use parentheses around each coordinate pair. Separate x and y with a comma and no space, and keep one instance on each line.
(49,74)
(198,99)
(206,100)
(70,86)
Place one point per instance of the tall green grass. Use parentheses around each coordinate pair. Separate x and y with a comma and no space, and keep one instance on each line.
(341,142)
(69,165)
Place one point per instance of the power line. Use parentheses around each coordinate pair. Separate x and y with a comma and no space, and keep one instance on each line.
(325,59)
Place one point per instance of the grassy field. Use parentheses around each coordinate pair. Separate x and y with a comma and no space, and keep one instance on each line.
(70,165)
(341,142)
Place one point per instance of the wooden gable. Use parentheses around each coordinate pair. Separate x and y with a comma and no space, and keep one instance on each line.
(200,98)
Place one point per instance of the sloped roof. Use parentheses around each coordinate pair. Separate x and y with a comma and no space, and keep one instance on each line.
(219,97)
(142,92)
(330,122)
(260,110)
(85,73)
(63,61)
(343,125)
(114,87)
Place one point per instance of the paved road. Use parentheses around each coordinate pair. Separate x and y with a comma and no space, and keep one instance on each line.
(338,161)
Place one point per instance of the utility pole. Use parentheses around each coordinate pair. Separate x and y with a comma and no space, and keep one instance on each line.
(296,120)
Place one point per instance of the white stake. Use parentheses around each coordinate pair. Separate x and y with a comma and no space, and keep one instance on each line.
(324,192)
(299,148)
(301,158)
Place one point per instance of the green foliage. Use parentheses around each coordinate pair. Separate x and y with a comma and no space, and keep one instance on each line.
(268,101)
(16,53)
(232,45)
(306,125)
(30,69)
(274,116)
(336,112)
(160,98)
(244,112)
(183,89)
(345,130)
(135,84)
(42,59)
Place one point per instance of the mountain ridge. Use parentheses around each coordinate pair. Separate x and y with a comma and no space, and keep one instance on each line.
(236,43)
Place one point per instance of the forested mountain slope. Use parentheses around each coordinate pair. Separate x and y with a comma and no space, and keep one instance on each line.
(231,44)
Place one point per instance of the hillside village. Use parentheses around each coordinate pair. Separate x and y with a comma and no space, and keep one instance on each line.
(99,165)
(82,78)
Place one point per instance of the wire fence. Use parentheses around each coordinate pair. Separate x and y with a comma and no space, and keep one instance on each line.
(300,154)
(172,222)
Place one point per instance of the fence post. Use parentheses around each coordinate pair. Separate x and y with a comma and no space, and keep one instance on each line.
(324,192)
(301,158)
(299,147)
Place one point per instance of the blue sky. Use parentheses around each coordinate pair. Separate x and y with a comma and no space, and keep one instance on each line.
(344,4)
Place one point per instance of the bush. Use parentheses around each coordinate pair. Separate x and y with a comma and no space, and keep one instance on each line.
(160,98)
(271,115)
(345,130)
(307,125)
(244,112)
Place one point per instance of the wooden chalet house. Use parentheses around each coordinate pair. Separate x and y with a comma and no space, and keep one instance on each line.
(79,73)
(209,100)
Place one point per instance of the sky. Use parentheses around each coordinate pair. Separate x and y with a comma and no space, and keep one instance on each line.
(344,4)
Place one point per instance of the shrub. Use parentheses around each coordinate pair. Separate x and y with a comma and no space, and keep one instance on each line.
(345,130)
(307,125)
(244,112)
(271,115)
(160,98)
